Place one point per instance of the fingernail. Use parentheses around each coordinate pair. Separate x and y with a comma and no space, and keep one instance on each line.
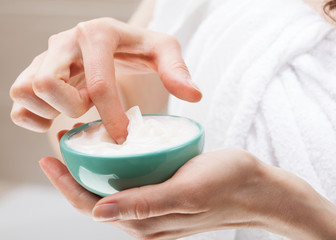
(187,78)
(121,140)
(194,85)
(105,212)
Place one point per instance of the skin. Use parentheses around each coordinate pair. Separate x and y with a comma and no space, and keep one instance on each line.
(78,71)
(83,67)
(227,192)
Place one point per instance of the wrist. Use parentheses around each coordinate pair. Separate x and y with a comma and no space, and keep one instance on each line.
(294,208)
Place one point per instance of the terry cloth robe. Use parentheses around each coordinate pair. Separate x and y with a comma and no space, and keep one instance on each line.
(267,70)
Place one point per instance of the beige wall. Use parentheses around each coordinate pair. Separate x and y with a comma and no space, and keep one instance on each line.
(25,26)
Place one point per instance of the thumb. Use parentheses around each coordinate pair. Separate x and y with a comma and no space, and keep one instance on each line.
(139,203)
(174,72)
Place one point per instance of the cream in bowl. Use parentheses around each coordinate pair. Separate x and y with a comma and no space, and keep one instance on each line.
(156,147)
(145,134)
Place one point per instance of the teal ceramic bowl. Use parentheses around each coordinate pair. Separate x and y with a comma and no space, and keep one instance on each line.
(105,175)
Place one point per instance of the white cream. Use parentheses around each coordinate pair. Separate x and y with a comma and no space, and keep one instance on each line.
(145,134)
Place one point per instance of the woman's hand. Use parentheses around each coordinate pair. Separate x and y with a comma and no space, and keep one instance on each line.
(218,190)
(78,71)
(207,193)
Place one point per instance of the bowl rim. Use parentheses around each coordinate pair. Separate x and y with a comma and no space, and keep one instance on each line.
(69,134)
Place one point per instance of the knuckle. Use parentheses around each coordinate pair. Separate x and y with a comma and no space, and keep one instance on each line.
(192,198)
(52,39)
(64,40)
(141,209)
(245,160)
(194,204)
(179,65)
(164,41)
(90,29)
(173,41)
(36,59)
(43,83)
(168,40)
(98,31)
(83,31)
(81,27)
(96,85)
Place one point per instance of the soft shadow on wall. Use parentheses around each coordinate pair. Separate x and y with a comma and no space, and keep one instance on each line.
(25,26)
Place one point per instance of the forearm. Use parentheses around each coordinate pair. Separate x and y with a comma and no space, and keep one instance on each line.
(297,210)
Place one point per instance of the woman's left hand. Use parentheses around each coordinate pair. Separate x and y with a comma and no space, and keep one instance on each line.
(217,190)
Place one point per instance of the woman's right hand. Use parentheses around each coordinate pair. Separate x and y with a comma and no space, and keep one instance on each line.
(78,71)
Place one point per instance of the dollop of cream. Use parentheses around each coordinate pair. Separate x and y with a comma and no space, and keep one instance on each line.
(145,134)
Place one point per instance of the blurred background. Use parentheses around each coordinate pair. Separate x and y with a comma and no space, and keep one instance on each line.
(30,208)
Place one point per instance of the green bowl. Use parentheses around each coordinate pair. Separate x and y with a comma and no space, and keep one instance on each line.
(105,175)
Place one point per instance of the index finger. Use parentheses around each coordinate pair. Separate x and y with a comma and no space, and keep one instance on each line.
(98,60)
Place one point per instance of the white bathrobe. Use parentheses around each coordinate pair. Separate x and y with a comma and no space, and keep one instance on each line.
(267,70)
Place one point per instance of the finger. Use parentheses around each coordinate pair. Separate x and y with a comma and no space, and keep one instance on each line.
(60,134)
(100,76)
(51,82)
(77,125)
(174,72)
(22,91)
(26,119)
(142,203)
(164,57)
(61,178)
